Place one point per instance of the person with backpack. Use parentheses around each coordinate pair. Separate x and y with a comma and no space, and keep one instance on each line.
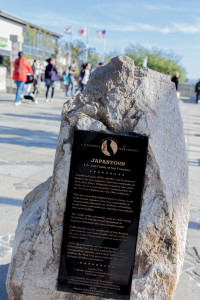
(197,90)
(51,75)
(21,66)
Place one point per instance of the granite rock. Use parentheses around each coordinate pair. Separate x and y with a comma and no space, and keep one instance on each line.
(119,98)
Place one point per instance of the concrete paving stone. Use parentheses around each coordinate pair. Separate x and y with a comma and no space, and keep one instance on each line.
(42,151)
(6,182)
(197,251)
(188,265)
(197,279)
(5,238)
(193,237)
(3,272)
(14,196)
(190,273)
(194,175)
(19,171)
(26,156)
(187,289)
(42,176)
(194,190)
(196,270)
(9,218)
(11,243)
(4,250)
(191,251)
(18,148)
(7,244)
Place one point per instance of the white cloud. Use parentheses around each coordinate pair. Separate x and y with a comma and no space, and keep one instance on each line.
(158,7)
(174,28)
(61,21)
(163,7)
(185,28)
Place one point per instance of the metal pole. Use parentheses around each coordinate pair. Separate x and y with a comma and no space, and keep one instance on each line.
(86,50)
(104,49)
(70,50)
(145,61)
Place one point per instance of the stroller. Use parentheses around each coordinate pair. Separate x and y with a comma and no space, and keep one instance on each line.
(30,89)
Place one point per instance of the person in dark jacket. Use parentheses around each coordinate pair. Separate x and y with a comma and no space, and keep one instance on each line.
(197,90)
(50,77)
(34,67)
(175,80)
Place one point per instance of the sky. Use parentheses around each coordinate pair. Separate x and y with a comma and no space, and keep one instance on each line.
(168,25)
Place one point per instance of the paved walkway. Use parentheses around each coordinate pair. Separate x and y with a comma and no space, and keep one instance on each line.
(28,137)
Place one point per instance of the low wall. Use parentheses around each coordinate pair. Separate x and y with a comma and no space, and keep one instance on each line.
(3,79)
(187,90)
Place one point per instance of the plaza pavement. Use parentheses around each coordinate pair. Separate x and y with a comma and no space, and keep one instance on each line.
(28,137)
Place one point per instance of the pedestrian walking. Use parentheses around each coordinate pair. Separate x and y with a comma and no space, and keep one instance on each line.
(51,75)
(65,82)
(175,79)
(21,66)
(197,90)
(82,73)
(168,74)
(100,64)
(71,75)
(86,75)
(34,67)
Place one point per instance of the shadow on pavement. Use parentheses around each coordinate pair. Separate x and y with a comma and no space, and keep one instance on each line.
(3,275)
(10,201)
(7,101)
(50,117)
(28,137)
(194,162)
(190,100)
(194,225)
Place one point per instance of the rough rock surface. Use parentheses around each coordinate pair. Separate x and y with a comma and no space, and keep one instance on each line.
(119,98)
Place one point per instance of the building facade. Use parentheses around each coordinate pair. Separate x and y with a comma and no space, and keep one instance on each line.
(34,41)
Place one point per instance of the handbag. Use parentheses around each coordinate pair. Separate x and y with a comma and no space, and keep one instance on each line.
(52,75)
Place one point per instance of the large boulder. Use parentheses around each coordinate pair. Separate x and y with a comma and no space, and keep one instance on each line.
(119,98)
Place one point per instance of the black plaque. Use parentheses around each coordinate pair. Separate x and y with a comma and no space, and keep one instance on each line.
(102,215)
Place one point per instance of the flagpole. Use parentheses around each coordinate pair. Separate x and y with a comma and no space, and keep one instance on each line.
(86,50)
(104,49)
(70,50)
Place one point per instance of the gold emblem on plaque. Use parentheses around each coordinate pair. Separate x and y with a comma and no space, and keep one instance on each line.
(109,147)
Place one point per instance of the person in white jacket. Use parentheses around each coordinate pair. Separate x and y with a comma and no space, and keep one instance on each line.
(86,75)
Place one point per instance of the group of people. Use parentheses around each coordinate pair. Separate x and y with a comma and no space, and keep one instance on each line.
(22,67)
(73,79)
(175,79)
